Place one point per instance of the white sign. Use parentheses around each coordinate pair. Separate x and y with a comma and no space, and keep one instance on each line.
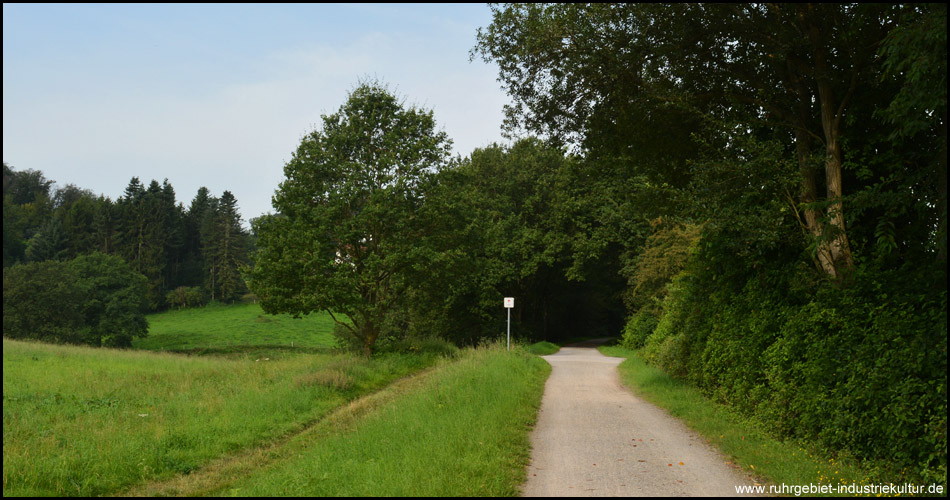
(509,302)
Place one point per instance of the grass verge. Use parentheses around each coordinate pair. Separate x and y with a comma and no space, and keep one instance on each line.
(751,448)
(94,421)
(543,348)
(463,430)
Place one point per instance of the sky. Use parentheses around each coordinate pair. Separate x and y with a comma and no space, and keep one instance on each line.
(219,95)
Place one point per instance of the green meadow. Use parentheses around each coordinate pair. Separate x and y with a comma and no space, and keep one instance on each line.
(237,328)
(81,421)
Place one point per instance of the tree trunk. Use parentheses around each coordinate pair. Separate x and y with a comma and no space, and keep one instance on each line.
(370,332)
(809,174)
(837,237)
(833,250)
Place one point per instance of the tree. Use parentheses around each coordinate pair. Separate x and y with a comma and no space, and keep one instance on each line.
(94,299)
(224,247)
(27,208)
(148,234)
(79,223)
(50,243)
(608,76)
(915,54)
(347,213)
(113,300)
(504,222)
(42,301)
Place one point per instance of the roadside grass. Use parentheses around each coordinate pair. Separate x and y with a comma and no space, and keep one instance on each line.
(235,330)
(463,430)
(94,421)
(738,437)
(543,348)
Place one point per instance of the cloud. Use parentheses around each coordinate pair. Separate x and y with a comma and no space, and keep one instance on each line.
(235,129)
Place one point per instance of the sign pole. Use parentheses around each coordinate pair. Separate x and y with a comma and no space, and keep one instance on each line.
(509,304)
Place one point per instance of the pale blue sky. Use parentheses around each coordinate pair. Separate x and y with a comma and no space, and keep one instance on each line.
(220,95)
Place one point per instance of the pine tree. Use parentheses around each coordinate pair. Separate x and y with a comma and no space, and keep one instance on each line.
(231,247)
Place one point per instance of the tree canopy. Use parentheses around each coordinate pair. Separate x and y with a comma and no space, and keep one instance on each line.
(347,213)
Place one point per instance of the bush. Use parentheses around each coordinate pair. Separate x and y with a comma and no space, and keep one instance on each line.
(415,344)
(93,299)
(41,301)
(114,301)
(859,369)
(639,326)
(187,296)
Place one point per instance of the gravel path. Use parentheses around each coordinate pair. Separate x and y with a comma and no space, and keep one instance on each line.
(595,438)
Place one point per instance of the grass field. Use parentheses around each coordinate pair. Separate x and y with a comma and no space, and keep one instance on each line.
(87,421)
(236,329)
(460,429)
(92,421)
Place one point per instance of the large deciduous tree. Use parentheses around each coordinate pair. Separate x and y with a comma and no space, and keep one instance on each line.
(347,213)
(635,85)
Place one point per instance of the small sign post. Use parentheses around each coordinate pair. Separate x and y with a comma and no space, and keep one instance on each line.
(509,304)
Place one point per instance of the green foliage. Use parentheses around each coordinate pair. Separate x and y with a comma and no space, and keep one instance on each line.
(348,214)
(506,222)
(223,246)
(916,54)
(419,345)
(94,299)
(860,370)
(186,296)
(664,255)
(26,209)
(114,300)
(203,246)
(871,359)
(650,275)
(49,243)
(543,348)
(640,325)
(41,300)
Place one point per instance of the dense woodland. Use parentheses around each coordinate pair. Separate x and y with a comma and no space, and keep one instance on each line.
(184,256)
(752,196)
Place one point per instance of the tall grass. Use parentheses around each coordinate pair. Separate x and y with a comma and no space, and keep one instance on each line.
(464,431)
(88,421)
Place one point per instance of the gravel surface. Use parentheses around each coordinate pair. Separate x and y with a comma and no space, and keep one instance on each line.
(595,438)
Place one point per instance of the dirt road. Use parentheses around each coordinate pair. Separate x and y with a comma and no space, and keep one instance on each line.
(595,438)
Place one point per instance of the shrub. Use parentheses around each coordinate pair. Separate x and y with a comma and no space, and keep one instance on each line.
(114,300)
(639,326)
(94,299)
(187,296)
(859,369)
(415,344)
(41,301)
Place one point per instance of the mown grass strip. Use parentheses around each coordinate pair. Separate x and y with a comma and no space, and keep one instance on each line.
(752,449)
(87,421)
(463,431)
